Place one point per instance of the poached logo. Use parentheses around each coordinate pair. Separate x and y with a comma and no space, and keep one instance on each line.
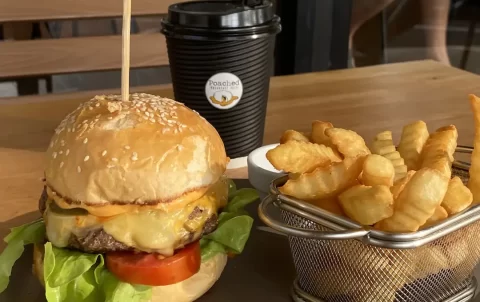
(224,90)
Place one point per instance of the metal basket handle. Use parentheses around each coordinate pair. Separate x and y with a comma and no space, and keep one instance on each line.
(339,233)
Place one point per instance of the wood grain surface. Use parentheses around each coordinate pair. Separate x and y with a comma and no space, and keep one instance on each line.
(37,10)
(68,55)
(367,100)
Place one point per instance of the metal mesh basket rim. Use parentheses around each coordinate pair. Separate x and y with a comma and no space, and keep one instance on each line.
(373,236)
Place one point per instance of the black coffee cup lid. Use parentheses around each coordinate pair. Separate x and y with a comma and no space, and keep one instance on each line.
(221,14)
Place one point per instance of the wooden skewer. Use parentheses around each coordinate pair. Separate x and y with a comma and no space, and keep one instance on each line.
(127,16)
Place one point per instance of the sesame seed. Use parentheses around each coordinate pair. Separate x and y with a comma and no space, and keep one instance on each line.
(134,156)
(84,121)
(68,151)
(69,130)
(104,152)
(79,169)
(110,117)
(147,113)
(61,164)
(145,118)
(114,159)
(127,147)
(85,140)
(54,193)
(97,105)
(179,147)
(96,120)
(61,152)
(152,120)
(175,131)
(90,107)
(62,142)
(86,158)
(54,154)
(98,116)
(110,166)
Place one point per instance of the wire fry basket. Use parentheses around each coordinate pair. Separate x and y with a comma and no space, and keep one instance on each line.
(338,260)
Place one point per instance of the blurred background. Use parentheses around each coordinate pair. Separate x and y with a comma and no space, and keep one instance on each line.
(317,35)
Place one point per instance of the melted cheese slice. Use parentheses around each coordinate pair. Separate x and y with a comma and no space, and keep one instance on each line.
(148,229)
(109,210)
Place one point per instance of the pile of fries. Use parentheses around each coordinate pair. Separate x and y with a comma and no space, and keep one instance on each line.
(394,189)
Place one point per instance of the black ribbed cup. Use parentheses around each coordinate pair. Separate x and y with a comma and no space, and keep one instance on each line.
(197,54)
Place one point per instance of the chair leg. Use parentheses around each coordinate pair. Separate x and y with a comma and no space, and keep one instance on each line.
(468,44)
(134,26)
(113,26)
(27,86)
(75,29)
(49,85)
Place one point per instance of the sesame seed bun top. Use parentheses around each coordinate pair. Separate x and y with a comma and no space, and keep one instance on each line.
(147,150)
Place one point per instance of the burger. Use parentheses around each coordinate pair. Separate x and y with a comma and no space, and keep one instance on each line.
(136,206)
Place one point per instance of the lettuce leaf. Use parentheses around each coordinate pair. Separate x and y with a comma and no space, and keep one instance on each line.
(116,291)
(72,276)
(234,225)
(210,248)
(19,237)
(239,199)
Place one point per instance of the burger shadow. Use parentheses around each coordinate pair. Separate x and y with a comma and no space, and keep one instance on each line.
(23,286)
(263,272)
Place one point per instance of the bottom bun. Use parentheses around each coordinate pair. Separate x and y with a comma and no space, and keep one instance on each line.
(185,291)
(195,286)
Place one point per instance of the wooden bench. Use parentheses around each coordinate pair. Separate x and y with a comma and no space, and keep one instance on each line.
(40,57)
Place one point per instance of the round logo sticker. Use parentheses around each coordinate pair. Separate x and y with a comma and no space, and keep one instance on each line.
(224,90)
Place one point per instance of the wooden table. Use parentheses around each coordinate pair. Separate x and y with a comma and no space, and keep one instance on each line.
(367,100)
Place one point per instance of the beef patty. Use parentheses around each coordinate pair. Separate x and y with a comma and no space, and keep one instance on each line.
(99,241)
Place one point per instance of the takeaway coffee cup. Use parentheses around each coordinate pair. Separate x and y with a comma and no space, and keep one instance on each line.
(221,56)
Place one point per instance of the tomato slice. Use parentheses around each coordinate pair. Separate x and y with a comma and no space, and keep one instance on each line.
(150,269)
